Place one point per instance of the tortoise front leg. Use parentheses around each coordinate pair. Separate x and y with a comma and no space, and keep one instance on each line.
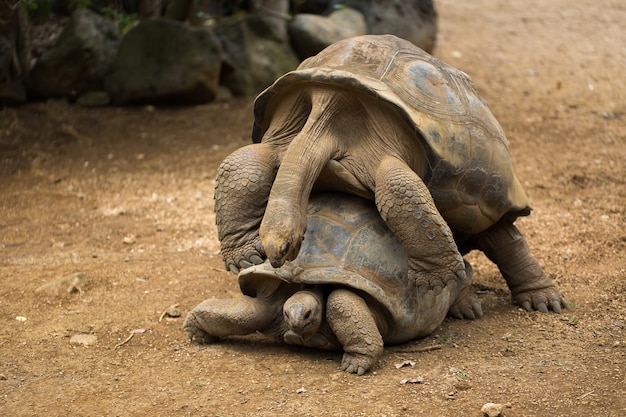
(531,288)
(242,187)
(215,318)
(355,327)
(407,207)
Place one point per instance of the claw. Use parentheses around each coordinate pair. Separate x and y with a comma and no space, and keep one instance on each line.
(256,259)
(478,309)
(542,307)
(556,306)
(469,314)
(454,313)
(526,305)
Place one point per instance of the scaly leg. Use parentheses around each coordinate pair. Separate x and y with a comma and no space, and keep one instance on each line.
(242,187)
(531,288)
(407,207)
(355,327)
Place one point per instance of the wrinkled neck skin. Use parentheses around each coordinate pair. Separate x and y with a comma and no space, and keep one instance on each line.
(284,223)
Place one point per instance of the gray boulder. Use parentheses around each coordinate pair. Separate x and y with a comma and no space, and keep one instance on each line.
(413,20)
(253,55)
(310,33)
(165,62)
(79,59)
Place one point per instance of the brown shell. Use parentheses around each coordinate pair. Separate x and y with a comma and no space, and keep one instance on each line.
(348,244)
(470,175)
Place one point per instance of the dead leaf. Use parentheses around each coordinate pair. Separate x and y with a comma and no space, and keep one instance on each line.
(405,363)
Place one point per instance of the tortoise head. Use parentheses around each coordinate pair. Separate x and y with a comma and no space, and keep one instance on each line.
(303,312)
(281,235)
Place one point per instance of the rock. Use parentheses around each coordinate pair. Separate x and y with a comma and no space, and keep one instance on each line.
(275,13)
(79,59)
(83,340)
(94,99)
(413,20)
(252,56)
(492,410)
(165,62)
(12,93)
(173,311)
(63,286)
(311,33)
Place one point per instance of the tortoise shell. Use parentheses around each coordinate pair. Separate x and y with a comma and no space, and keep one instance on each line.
(348,244)
(469,172)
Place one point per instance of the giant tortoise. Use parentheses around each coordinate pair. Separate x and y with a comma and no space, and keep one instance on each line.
(348,289)
(378,117)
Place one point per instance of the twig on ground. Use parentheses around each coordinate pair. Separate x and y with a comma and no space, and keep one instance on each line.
(422,349)
(585,395)
(125,341)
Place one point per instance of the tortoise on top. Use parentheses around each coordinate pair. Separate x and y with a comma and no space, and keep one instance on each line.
(378,117)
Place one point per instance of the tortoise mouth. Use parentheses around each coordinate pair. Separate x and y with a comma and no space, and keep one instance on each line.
(287,251)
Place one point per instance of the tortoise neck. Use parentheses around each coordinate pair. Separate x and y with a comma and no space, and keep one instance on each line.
(284,223)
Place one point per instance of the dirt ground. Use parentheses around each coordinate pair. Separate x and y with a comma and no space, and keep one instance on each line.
(117,204)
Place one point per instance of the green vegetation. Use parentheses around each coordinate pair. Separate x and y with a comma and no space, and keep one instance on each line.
(125,21)
(37,9)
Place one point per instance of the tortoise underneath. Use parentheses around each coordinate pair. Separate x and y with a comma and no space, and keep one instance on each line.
(348,289)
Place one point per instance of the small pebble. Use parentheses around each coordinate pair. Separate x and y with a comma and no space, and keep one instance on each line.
(3,377)
(173,311)
(83,340)
(129,240)
(492,410)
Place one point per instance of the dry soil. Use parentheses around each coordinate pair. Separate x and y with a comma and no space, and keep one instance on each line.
(116,205)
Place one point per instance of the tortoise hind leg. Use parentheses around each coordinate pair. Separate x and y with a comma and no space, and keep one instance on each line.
(407,207)
(355,327)
(531,288)
(242,187)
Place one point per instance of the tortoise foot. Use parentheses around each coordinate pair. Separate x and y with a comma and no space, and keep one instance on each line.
(195,332)
(244,257)
(542,300)
(466,306)
(355,327)
(356,363)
